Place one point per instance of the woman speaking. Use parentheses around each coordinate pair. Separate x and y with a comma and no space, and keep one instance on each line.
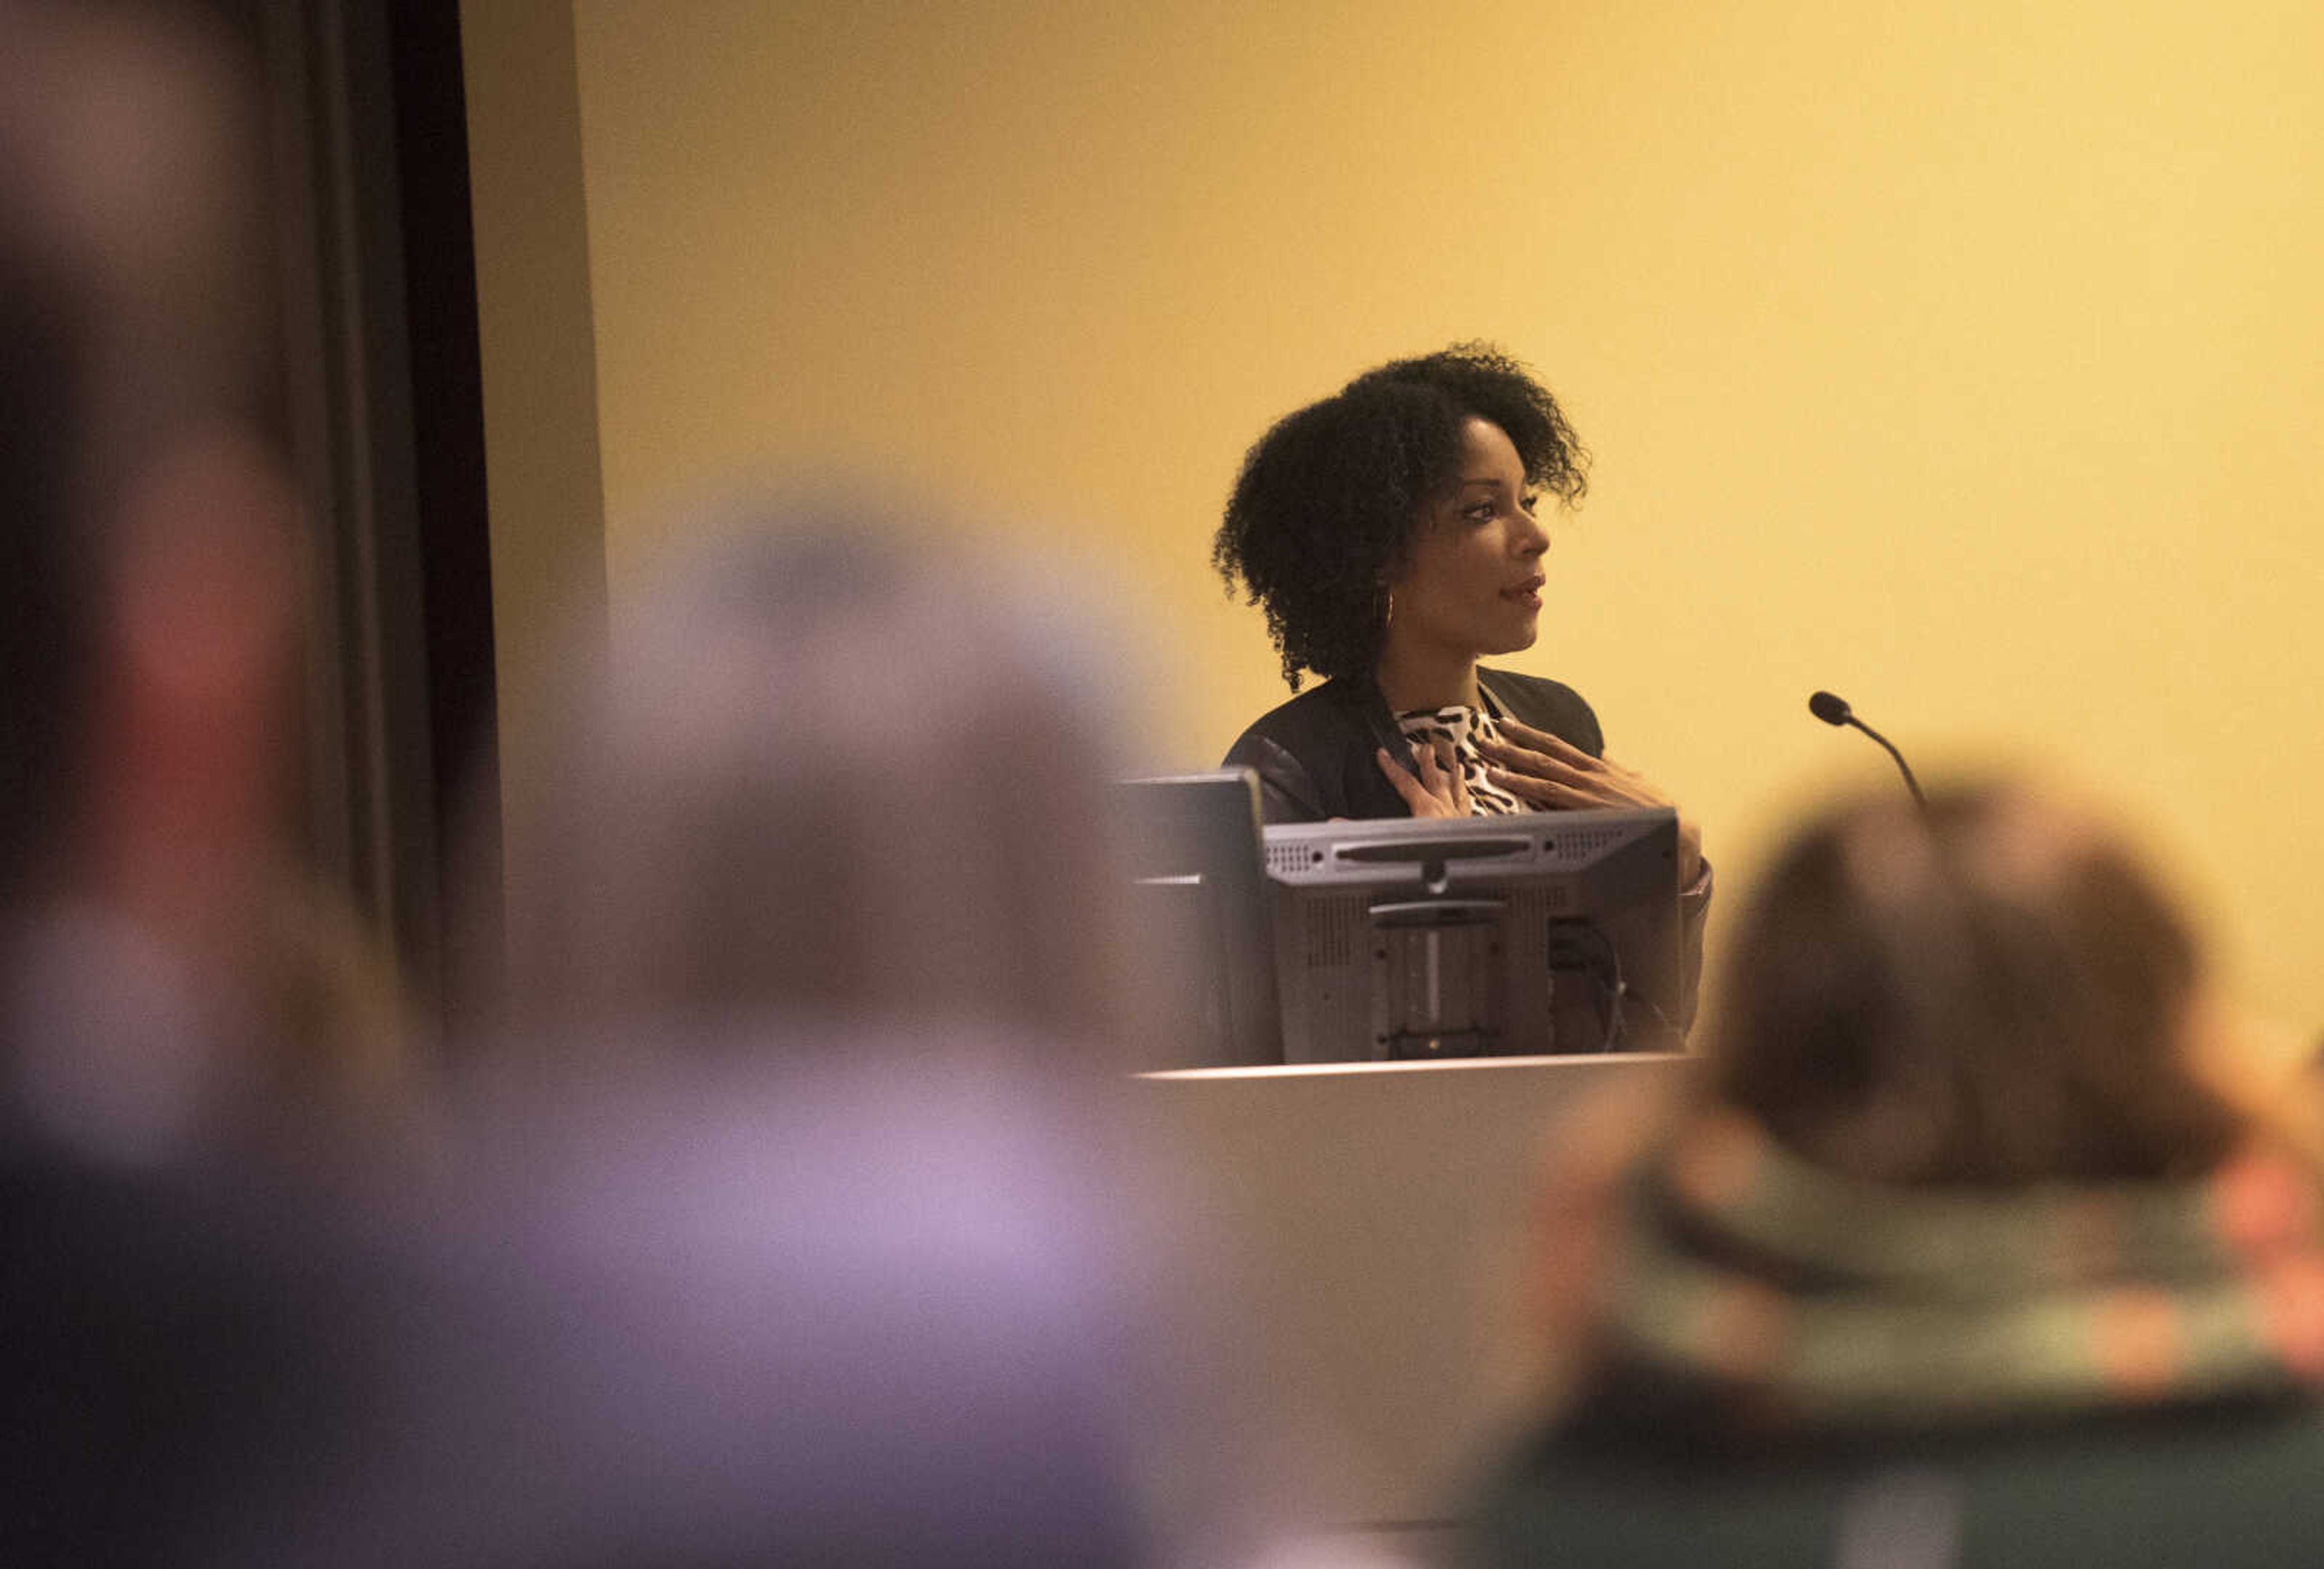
(1391,534)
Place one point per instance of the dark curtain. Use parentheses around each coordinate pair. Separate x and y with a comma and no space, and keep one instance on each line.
(380,409)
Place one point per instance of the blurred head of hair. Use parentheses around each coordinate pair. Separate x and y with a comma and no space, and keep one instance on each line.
(131,158)
(816,777)
(1993,994)
(816,811)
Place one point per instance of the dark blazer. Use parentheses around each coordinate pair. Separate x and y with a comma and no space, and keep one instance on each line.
(1314,754)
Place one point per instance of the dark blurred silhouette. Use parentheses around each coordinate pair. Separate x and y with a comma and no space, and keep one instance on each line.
(1968,1246)
(187,1027)
(178,986)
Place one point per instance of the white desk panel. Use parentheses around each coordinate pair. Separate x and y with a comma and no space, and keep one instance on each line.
(1360,1227)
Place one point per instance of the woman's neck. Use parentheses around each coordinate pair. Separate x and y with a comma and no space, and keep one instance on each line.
(1411,678)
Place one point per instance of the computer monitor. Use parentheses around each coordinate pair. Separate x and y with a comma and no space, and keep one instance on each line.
(1539,933)
(1200,900)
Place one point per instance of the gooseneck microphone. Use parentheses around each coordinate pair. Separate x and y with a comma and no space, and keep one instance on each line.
(1833,709)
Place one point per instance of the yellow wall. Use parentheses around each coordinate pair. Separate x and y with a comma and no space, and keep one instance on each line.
(1965,356)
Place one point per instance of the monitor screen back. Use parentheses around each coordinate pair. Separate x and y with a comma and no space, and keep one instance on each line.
(1205,954)
(1545,934)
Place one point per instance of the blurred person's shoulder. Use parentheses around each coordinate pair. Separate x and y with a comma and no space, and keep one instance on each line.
(707,1299)
(176,1344)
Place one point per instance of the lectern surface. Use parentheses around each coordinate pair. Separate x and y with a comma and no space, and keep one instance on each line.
(1362,1226)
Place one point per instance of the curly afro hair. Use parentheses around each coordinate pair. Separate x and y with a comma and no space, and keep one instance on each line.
(1328,499)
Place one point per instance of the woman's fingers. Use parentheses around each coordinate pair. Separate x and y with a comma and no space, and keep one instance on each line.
(1539,765)
(1556,793)
(1599,780)
(1451,764)
(1548,744)
(1551,772)
(1526,787)
(1546,772)
(1441,778)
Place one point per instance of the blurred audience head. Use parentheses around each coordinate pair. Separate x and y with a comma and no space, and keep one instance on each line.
(820,778)
(1993,992)
(130,157)
(798,1210)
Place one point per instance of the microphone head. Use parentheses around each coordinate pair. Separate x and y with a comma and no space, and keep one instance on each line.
(1830,708)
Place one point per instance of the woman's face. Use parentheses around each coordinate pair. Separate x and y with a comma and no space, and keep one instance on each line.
(1470,583)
